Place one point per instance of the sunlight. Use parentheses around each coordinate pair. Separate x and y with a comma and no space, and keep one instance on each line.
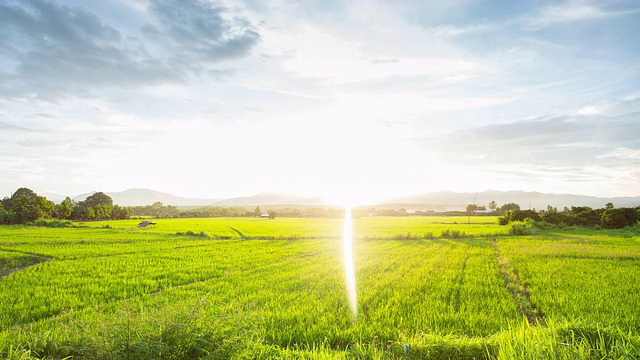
(350,276)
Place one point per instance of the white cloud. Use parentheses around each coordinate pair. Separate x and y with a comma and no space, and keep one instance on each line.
(622,154)
(571,12)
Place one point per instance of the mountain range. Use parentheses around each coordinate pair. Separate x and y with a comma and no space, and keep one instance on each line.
(438,201)
(448,200)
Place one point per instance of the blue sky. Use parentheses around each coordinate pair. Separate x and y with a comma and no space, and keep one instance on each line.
(356,101)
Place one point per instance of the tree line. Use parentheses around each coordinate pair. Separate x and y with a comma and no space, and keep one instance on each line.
(25,206)
(607,217)
(160,211)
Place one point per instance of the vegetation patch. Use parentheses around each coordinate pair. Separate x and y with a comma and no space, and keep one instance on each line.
(193,233)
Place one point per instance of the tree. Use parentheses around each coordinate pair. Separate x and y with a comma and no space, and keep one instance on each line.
(578,209)
(82,212)
(608,205)
(98,198)
(510,206)
(26,206)
(120,213)
(619,218)
(96,206)
(493,205)
(5,216)
(272,214)
(257,211)
(63,210)
(471,208)
(588,217)
(103,211)
(521,215)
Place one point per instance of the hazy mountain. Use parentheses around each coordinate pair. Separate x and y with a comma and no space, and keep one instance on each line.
(438,201)
(142,197)
(447,200)
(271,199)
(56,198)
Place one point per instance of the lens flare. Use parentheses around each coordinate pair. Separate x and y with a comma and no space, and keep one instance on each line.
(350,275)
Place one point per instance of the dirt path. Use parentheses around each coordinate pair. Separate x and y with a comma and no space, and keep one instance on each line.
(516,288)
(37,259)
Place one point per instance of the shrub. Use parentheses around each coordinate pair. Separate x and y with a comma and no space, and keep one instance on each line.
(52,223)
(521,228)
(619,218)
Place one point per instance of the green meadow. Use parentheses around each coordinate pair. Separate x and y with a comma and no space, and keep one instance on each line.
(249,288)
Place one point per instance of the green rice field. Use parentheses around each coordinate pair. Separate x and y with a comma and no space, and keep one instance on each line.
(245,288)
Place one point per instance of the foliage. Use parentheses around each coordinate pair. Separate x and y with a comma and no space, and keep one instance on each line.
(619,218)
(98,198)
(64,210)
(519,228)
(157,210)
(25,206)
(53,223)
(509,207)
(473,207)
(98,206)
(608,218)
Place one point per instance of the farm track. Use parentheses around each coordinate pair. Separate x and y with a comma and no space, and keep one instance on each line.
(519,293)
(453,296)
(460,284)
(42,259)
(237,232)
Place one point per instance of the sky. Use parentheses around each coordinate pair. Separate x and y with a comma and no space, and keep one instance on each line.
(355,101)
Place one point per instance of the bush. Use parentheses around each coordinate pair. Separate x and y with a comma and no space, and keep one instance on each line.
(52,223)
(452,234)
(619,218)
(193,233)
(519,228)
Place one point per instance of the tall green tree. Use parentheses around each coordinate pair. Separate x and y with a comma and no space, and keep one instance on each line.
(98,198)
(63,210)
(120,213)
(26,206)
(96,206)
(510,206)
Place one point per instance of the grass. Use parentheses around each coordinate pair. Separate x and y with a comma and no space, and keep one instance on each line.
(127,293)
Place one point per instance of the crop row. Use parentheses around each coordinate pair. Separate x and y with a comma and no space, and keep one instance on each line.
(594,282)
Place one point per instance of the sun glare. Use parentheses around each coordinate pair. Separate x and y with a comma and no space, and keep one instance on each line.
(349,271)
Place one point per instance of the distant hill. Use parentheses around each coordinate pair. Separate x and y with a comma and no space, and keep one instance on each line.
(448,200)
(264,199)
(56,198)
(438,201)
(143,197)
